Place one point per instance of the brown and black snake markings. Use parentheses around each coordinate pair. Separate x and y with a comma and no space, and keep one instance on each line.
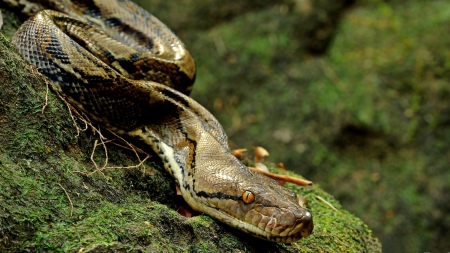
(94,52)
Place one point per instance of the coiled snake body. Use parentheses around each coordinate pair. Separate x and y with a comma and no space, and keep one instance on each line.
(92,56)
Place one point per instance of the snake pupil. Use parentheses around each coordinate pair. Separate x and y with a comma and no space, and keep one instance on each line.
(248,197)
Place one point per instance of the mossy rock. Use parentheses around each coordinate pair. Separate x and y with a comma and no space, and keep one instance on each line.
(50,203)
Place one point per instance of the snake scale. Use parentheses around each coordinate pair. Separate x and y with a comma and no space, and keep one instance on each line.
(126,70)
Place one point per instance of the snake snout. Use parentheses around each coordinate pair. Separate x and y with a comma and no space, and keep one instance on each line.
(305,224)
(301,225)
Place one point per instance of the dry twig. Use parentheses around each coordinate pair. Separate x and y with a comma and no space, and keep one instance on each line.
(81,116)
(35,71)
(131,147)
(284,178)
(71,204)
(84,118)
(100,170)
(46,98)
(327,203)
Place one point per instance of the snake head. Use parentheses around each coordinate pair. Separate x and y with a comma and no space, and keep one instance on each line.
(277,213)
(254,204)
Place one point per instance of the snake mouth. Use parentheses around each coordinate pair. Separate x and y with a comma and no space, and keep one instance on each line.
(303,228)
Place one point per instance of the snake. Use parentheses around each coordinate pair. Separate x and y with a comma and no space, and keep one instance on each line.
(127,71)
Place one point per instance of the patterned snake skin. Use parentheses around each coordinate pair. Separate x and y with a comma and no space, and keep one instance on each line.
(93,55)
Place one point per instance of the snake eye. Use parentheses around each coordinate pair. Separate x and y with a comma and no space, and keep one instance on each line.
(248,197)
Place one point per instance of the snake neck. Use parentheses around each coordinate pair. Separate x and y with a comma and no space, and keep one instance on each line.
(213,181)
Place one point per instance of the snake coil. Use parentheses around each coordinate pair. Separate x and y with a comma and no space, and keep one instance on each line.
(95,54)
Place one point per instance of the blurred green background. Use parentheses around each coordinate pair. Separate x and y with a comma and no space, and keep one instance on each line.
(354,95)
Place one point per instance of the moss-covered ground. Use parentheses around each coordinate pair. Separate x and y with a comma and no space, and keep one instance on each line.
(49,203)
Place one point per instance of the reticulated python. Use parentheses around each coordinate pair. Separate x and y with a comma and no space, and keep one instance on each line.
(94,55)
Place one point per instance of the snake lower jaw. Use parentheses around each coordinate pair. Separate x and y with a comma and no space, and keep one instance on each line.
(303,228)
(304,232)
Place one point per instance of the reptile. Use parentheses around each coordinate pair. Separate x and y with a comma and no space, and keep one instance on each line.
(127,71)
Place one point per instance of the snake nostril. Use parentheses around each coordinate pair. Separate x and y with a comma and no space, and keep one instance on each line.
(308,225)
(303,224)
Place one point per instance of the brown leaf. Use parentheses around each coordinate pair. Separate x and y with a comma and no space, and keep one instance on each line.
(260,153)
(261,167)
(281,166)
(239,152)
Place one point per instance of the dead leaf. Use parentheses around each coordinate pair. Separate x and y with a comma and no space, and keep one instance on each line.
(260,153)
(281,166)
(238,152)
(302,201)
(283,178)
(261,167)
